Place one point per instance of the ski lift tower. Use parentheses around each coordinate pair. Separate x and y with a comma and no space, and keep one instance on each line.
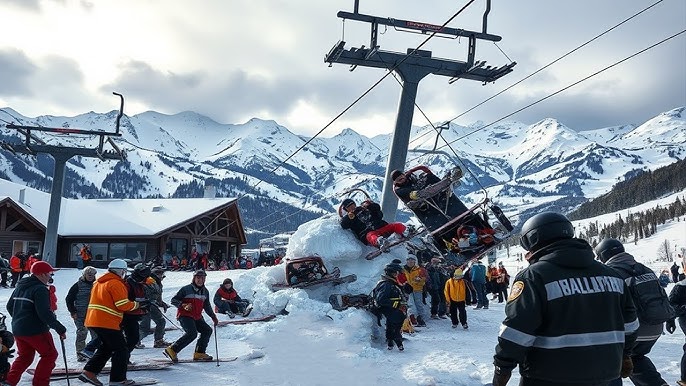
(412,67)
(33,145)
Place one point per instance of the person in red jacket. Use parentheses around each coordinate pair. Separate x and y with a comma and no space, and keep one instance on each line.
(191,300)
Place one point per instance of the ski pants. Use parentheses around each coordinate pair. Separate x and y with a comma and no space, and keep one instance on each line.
(113,346)
(191,328)
(27,347)
(416,304)
(645,373)
(481,296)
(81,333)
(154,314)
(385,231)
(437,302)
(235,307)
(458,313)
(130,325)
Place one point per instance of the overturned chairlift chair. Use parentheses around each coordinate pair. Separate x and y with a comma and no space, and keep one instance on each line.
(453,228)
(310,271)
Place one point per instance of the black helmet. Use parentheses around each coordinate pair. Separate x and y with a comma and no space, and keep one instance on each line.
(199,272)
(140,272)
(392,268)
(608,248)
(544,228)
(346,203)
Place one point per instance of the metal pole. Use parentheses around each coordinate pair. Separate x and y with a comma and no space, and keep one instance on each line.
(216,345)
(50,244)
(64,355)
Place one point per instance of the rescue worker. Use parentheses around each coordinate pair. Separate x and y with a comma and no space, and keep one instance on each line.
(560,300)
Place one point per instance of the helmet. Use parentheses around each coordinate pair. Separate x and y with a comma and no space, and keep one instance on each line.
(158,271)
(544,228)
(199,272)
(392,268)
(117,264)
(608,248)
(458,274)
(140,272)
(395,174)
(346,203)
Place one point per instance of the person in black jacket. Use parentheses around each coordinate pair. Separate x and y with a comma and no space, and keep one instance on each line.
(437,278)
(611,252)
(564,297)
(392,302)
(367,223)
(677,298)
(32,319)
(77,301)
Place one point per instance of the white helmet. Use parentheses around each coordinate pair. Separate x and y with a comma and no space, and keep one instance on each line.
(117,264)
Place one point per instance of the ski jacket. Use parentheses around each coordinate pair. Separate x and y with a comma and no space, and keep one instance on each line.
(29,306)
(15,263)
(197,297)
(86,254)
(416,277)
(407,191)
(223,295)
(391,300)
(109,300)
(78,297)
(437,278)
(368,217)
(455,290)
(136,293)
(621,262)
(677,298)
(569,318)
(478,272)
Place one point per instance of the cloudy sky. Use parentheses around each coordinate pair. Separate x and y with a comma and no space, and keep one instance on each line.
(236,59)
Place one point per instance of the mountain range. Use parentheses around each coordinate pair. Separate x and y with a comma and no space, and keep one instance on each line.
(524,168)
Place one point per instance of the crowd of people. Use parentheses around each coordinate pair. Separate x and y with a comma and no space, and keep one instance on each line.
(112,314)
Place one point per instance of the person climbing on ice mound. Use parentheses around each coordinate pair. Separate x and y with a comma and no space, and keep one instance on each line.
(367,223)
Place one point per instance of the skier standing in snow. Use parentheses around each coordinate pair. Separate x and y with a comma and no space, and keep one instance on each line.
(611,253)
(555,304)
(389,297)
(416,277)
(77,301)
(437,279)
(191,300)
(32,319)
(455,291)
(135,284)
(109,300)
(153,292)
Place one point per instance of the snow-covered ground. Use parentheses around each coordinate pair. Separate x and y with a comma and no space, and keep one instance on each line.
(315,345)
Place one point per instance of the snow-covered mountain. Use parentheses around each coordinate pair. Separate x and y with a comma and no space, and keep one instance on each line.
(522,167)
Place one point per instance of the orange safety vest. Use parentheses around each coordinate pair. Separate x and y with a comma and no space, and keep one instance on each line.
(109,300)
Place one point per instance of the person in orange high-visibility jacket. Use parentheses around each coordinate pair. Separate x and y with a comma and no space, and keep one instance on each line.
(15,266)
(108,302)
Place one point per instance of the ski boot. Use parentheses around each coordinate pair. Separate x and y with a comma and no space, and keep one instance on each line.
(202,357)
(247,311)
(171,354)
(161,343)
(420,321)
(89,377)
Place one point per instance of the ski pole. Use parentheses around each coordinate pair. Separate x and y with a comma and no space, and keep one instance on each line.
(170,321)
(216,345)
(64,355)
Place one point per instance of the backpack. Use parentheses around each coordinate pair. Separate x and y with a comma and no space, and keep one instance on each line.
(652,303)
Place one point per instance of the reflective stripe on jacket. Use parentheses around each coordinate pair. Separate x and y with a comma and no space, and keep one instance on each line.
(109,300)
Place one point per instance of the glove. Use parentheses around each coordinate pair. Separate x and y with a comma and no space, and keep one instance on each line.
(187,307)
(627,367)
(501,376)
(414,195)
(144,305)
(215,320)
(6,352)
(671,326)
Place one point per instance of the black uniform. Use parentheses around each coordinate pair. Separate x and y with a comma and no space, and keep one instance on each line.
(390,297)
(569,319)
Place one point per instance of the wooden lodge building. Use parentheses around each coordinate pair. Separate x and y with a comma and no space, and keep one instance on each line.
(135,229)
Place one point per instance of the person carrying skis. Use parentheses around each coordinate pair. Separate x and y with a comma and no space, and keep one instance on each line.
(77,301)
(153,292)
(109,300)
(32,319)
(392,303)
(227,301)
(569,319)
(367,223)
(191,300)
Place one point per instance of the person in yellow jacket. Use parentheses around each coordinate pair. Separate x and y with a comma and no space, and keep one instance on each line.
(109,300)
(455,298)
(416,276)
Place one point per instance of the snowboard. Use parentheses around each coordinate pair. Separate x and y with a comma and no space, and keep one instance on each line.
(340,302)
(169,361)
(265,318)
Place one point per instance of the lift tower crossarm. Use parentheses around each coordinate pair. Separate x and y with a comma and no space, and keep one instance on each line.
(417,26)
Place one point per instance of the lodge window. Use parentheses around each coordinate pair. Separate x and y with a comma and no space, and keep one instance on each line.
(107,251)
(178,247)
(28,247)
